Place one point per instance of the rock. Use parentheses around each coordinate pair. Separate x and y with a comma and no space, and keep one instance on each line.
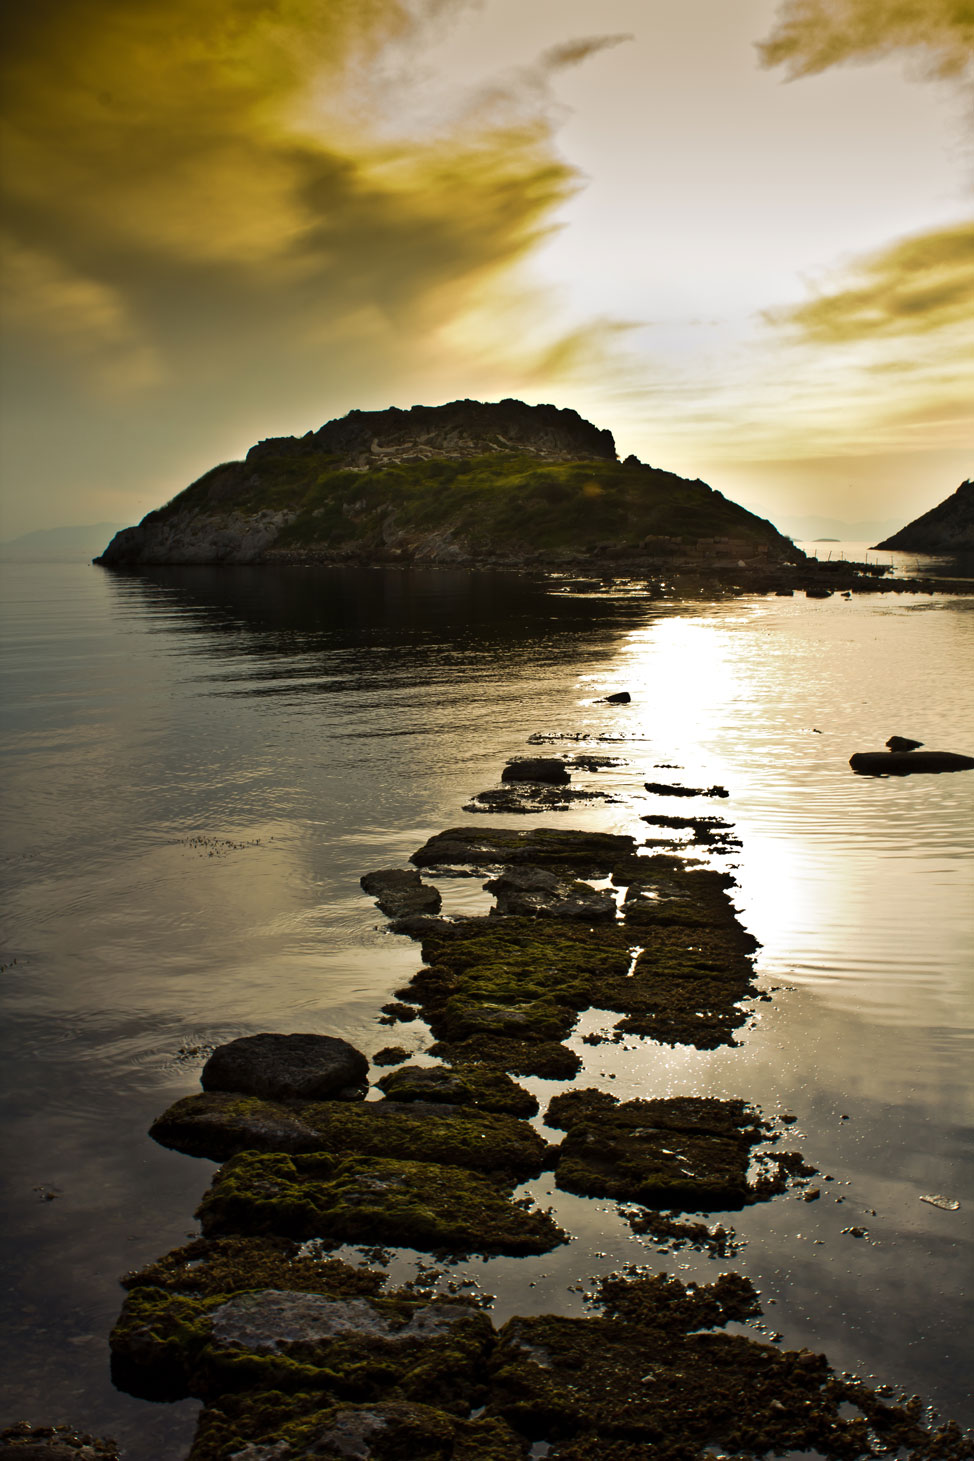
(690,1152)
(390,1055)
(621,697)
(818,593)
(475,1085)
(298,1427)
(665,788)
(287,1067)
(905,763)
(268,1339)
(527,798)
(372,1200)
(218,1125)
(586,854)
(549,769)
(535,892)
(26,1442)
(401,892)
(902,743)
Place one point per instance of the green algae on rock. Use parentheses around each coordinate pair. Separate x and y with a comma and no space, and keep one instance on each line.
(360,1348)
(219,1125)
(639,1382)
(689,1152)
(545,1058)
(235,1264)
(373,1200)
(479,1086)
(259,1427)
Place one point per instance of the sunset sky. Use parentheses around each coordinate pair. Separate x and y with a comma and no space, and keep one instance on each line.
(737,234)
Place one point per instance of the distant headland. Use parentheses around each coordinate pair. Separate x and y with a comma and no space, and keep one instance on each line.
(470,483)
(947,528)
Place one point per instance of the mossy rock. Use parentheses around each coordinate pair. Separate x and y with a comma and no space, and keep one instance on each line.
(360,1348)
(689,1152)
(234,1264)
(373,1200)
(641,1384)
(294,1427)
(465,1085)
(219,1126)
(576,853)
(545,1058)
(538,1020)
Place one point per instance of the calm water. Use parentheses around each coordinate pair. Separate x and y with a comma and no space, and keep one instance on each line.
(200,764)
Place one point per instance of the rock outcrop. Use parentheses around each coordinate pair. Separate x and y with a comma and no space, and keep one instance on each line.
(467,483)
(946,528)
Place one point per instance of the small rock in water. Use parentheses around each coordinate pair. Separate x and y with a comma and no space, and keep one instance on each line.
(621,697)
(903,743)
(935,1199)
(549,769)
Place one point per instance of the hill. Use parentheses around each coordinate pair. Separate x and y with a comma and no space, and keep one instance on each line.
(465,483)
(73,544)
(946,528)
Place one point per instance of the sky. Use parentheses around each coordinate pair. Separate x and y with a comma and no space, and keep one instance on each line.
(740,236)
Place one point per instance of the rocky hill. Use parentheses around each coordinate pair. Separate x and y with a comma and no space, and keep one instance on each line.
(466,483)
(946,528)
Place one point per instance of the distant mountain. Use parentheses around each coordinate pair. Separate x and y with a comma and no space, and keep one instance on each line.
(946,528)
(818,529)
(58,545)
(471,482)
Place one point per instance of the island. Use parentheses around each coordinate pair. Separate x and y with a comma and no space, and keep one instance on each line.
(467,483)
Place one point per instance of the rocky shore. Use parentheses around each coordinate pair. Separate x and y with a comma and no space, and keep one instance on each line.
(296,1352)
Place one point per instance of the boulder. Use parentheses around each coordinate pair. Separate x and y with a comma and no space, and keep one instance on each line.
(549,769)
(287,1067)
(905,763)
(621,697)
(902,743)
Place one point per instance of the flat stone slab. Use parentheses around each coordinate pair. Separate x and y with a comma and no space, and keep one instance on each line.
(586,854)
(287,1067)
(294,1428)
(285,1339)
(372,1200)
(549,769)
(465,1085)
(220,1124)
(529,798)
(401,892)
(690,1153)
(907,763)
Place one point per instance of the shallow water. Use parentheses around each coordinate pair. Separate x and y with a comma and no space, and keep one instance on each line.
(199,766)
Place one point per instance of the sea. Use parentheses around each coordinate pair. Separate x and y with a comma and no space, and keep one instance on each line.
(199,764)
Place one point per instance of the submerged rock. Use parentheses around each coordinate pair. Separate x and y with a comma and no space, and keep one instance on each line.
(26,1442)
(905,763)
(666,788)
(400,892)
(526,798)
(219,1125)
(372,1200)
(287,1067)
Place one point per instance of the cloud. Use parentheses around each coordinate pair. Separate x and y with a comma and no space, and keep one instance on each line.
(573,53)
(199,185)
(916,285)
(812,35)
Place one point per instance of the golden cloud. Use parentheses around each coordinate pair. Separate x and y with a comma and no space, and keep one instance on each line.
(201,180)
(812,35)
(917,285)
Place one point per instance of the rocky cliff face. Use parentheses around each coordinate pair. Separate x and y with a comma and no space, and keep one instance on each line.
(468,482)
(946,528)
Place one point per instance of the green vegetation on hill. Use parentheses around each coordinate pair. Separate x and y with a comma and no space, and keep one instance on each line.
(500,502)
